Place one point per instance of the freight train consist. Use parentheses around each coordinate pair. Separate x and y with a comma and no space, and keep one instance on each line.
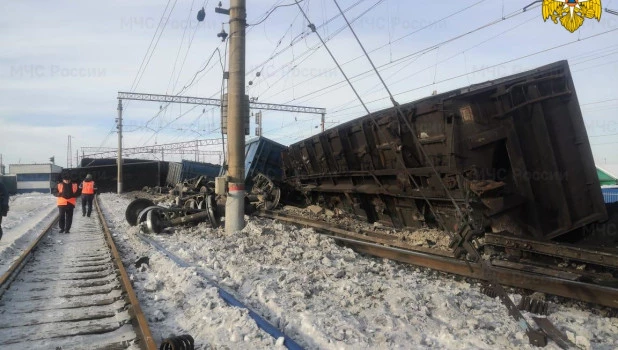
(512,153)
(507,160)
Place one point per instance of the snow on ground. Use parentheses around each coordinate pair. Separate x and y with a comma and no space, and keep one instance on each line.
(28,214)
(176,300)
(326,296)
(323,295)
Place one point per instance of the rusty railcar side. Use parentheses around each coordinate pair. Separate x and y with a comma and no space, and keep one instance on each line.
(512,151)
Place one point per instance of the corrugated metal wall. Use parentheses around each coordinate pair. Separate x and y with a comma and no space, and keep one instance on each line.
(187,169)
(136,175)
(610,194)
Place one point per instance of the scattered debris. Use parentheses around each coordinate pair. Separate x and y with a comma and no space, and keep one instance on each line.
(534,305)
(142,260)
(181,342)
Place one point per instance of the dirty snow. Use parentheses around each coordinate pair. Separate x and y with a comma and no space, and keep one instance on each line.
(326,296)
(323,295)
(421,237)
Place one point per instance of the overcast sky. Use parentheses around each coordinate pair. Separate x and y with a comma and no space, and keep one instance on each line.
(63,62)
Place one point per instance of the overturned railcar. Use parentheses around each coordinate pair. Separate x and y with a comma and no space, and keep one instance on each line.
(512,153)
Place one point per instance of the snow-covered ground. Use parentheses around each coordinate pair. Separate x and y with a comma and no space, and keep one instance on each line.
(323,295)
(28,214)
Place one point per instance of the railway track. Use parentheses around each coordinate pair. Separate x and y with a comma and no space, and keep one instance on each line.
(70,291)
(576,285)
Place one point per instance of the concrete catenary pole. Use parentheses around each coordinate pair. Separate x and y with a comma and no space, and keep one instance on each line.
(235,204)
(119,126)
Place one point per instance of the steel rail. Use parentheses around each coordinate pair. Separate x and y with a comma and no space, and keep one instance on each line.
(518,278)
(142,324)
(20,262)
(605,257)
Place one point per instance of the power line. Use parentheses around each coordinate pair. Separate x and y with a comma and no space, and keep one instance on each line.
(372,118)
(136,83)
(298,39)
(603,143)
(597,102)
(595,66)
(163,109)
(411,55)
(314,49)
(420,53)
(406,122)
(589,136)
(270,12)
(492,66)
(150,45)
(199,71)
(432,66)
(597,57)
(394,41)
(259,73)
(204,4)
(182,40)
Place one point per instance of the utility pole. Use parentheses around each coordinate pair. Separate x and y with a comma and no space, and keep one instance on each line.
(323,121)
(69,153)
(235,204)
(119,127)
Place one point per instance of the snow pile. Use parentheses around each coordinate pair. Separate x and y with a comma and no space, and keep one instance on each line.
(28,215)
(176,300)
(323,295)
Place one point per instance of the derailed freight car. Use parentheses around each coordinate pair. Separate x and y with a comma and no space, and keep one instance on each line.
(513,153)
(137,173)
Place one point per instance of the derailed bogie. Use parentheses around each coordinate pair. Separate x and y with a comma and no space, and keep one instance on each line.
(154,218)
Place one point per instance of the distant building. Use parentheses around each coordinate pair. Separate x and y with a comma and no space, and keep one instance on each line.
(35,177)
(608,177)
(608,174)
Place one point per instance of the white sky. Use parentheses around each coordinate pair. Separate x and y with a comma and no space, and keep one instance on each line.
(63,62)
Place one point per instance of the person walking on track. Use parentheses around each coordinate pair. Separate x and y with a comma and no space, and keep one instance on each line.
(88,189)
(4,204)
(67,192)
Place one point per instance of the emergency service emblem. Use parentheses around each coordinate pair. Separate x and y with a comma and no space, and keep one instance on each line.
(571,13)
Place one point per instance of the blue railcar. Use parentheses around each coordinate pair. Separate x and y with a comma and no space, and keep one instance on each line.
(263,155)
(186,169)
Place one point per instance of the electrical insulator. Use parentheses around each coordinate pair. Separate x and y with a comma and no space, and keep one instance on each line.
(201,14)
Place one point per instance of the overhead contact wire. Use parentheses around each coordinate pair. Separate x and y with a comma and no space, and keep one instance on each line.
(371,116)
(401,115)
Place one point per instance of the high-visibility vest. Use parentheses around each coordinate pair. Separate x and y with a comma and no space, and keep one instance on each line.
(64,201)
(88,187)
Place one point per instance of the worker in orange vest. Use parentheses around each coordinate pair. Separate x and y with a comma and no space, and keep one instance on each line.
(88,190)
(67,192)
